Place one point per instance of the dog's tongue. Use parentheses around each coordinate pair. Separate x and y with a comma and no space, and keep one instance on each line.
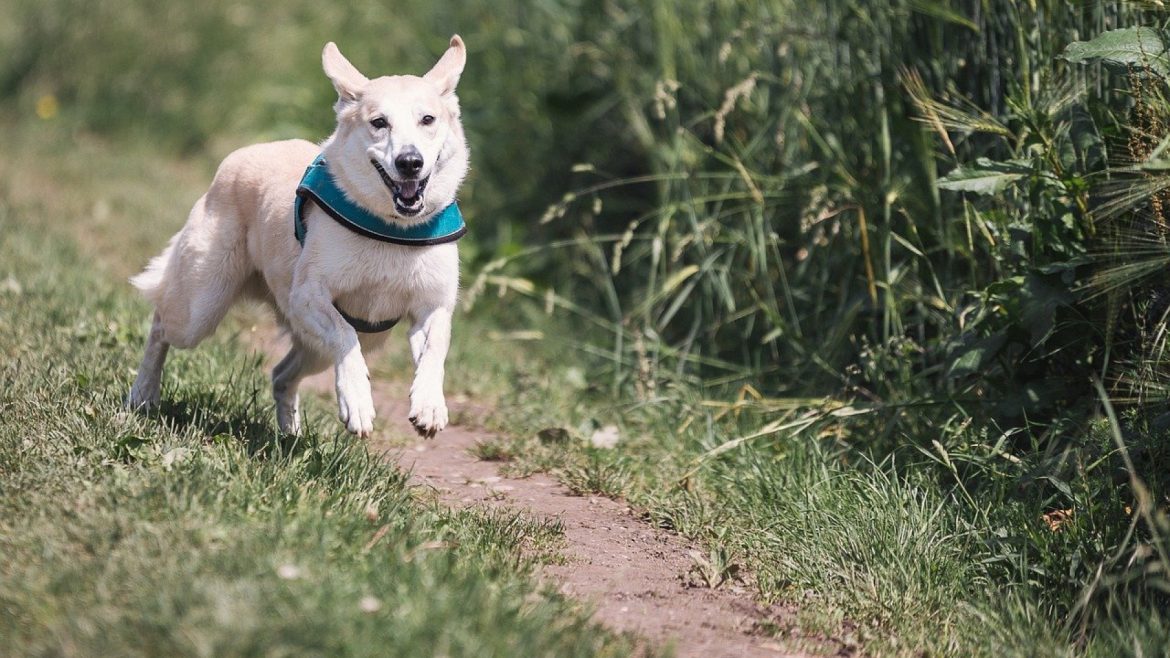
(408,189)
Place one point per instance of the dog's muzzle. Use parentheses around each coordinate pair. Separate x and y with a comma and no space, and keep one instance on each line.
(407,194)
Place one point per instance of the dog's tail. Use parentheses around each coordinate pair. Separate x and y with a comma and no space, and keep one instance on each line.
(150,281)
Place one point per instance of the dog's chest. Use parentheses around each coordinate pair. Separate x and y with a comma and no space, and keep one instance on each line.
(379,281)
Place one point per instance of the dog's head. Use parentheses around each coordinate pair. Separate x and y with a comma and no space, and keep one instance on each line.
(399,148)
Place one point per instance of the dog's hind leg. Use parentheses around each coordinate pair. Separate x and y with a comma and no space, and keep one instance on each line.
(300,362)
(192,284)
(202,271)
(147,388)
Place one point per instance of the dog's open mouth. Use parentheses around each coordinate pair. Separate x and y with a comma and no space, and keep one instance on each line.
(408,194)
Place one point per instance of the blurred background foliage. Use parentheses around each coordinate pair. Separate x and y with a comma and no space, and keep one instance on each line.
(932,211)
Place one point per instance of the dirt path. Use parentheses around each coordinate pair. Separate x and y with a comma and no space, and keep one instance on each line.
(630,571)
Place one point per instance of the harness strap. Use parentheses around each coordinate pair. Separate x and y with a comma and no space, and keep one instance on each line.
(365,326)
(318,185)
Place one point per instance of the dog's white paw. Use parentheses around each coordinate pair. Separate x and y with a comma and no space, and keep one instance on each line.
(428,414)
(355,401)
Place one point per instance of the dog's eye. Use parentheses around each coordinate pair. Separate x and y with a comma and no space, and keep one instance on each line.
(378,123)
(427,120)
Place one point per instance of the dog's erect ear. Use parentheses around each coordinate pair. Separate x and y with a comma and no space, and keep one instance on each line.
(347,80)
(445,74)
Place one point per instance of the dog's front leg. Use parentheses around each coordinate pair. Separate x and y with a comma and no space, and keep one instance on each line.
(322,328)
(430,337)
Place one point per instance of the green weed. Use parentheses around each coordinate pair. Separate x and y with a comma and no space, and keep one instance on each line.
(493,451)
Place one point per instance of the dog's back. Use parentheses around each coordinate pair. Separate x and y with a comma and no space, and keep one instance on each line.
(248,207)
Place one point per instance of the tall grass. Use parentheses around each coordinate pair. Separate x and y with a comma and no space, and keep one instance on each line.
(788,208)
(790,233)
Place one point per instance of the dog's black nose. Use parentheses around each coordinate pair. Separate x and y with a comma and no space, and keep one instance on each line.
(409,162)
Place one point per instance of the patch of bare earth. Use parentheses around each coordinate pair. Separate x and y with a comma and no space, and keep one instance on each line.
(631,572)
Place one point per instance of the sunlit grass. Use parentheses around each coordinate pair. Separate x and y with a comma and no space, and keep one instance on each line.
(200,530)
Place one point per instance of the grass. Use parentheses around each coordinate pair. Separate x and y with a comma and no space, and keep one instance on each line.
(969,545)
(875,392)
(198,530)
(922,554)
(858,283)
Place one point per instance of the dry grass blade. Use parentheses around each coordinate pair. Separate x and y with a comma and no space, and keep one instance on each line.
(958,114)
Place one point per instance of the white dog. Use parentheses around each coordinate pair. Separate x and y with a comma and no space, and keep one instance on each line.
(341,248)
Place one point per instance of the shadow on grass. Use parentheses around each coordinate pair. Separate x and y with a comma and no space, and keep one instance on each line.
(236,409)
(237,412)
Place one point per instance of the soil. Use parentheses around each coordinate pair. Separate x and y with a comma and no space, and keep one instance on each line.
(633,574)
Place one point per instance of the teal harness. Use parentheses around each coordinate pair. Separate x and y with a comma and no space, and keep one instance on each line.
(317,186)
